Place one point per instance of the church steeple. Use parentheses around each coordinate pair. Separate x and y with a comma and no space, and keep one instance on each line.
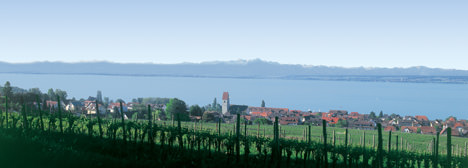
(225,106)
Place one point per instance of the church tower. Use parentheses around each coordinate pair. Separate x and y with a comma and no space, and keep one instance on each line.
(225,106)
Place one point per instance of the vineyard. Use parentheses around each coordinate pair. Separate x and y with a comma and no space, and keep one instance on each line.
(34,137)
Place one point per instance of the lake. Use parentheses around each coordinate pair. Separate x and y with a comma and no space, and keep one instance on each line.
(433,100)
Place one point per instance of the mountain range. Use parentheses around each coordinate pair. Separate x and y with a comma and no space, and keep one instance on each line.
(243,69)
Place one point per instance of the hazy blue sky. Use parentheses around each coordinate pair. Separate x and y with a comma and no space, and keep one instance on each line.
(397,33)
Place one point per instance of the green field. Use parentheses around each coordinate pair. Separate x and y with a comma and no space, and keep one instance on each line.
(420,143)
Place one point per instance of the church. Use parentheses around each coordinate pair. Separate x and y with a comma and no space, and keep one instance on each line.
(225,106)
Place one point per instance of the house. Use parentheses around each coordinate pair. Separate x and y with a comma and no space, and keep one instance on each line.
(406,123)
(54,104)
(458,125)
(195,118)
(246,117)
(338,112)
(356,115)
(263,114)
(455,132)
(282,111)
(390,128)
(422,120)
(115,107)
(409,129)
(428,130)
(131,105)
(74,106)
(464,131)
(312,119)
(91,109)
(393,122)
(161,107)
(331,120)
(362,125)
(288,121)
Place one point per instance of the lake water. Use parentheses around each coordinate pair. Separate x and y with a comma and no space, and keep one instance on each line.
(433,100)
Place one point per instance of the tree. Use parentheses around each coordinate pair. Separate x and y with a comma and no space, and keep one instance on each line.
(372,115)
(51,94)
(263,103)
(177,107)
(213,106)
(196,110)
(7,90)
(209,116)
(342,123)
(35,91)
(381,114)
(158,114)
(106,101)
(99,96)
(214,103)
(262,121)
(62,94)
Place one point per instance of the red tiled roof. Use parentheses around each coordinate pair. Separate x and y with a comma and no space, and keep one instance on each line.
(263,114)
(288,120)
(428,130)
(454,132)
(306,114)
(331,120)
(421,118)
(354,113)
(51,103)
(295,111)
(458,125)
(390,128)
(247,117)
(225,95)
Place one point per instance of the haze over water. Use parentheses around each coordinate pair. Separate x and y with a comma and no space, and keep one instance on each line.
(433,100)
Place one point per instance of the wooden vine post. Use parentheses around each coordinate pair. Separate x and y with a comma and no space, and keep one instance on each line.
(123,123)
(346,148)
(6,110)
(60,114)
(449,147)
(150,126)
(40,113)
(379,146)
(99,119)
(238,138)
(325,152)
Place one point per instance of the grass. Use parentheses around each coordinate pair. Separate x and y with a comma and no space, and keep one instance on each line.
(420,143)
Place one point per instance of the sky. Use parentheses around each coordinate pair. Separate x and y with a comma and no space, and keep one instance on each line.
(397,33)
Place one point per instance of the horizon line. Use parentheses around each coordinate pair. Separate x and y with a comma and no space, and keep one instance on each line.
(238,61)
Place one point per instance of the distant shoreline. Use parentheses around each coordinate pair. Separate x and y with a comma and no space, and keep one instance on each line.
(345,78)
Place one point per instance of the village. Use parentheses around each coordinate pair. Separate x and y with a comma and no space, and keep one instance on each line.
(418,124)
